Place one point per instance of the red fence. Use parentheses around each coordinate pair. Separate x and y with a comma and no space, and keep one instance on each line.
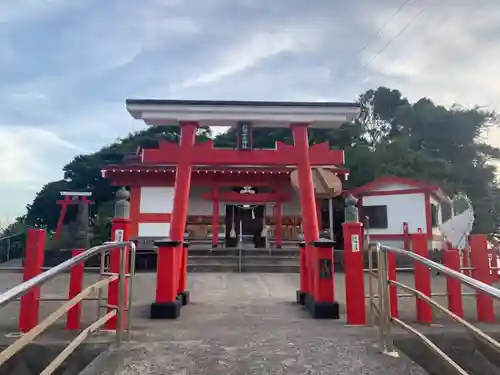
(477,262)
(33,266)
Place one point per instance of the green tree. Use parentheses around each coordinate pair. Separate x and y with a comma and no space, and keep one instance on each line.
(83,173)
(391,136)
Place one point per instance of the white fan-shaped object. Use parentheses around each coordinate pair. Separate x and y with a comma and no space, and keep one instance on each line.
(457,229)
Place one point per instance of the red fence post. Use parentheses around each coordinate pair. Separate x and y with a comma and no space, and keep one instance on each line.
(422,277)
(33,263)
(75,287)
(453,286)
(354,276)
(322,305)
(120,232)
(481,272)
(166,305)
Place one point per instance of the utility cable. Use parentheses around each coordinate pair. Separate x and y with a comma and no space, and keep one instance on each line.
(403,29)
(403,4)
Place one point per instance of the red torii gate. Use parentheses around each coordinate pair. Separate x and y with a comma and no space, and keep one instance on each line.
(172,268)
(316,263)
(70,198)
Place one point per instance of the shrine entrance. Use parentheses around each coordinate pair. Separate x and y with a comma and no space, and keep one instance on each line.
(162,207)
(245,223)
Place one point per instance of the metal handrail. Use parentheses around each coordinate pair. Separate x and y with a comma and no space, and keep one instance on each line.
(48,275)
(464,279)
(113,311)
(380,311)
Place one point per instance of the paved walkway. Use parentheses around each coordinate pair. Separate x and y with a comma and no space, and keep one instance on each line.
(236,324)
(246,324)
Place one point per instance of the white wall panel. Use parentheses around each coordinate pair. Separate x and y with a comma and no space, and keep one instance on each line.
(401,208)
(156,200)
(154,229)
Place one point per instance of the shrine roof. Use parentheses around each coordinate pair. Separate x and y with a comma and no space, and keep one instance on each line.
(228,113)
(398,185)
(206,155)
(249,169)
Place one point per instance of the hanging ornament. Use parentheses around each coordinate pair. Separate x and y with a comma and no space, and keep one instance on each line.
(247,190)
(253,213)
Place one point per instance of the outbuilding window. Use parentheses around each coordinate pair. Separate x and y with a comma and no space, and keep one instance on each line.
(377,216)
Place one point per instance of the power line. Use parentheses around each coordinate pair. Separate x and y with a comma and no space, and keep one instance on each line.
(394,38)
(401,6)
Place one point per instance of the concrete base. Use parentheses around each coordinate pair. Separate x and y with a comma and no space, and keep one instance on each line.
(301,297)
(183,297)
(165,310)
(322,310)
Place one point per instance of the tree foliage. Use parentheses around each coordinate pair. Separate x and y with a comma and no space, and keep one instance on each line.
(391,137)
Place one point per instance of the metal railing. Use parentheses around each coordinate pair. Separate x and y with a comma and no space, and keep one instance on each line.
(106,278)
(379,304)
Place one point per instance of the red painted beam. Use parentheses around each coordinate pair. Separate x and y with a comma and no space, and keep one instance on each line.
(205,154)
(248,198)
(395,192)
(153,218)
(225,179)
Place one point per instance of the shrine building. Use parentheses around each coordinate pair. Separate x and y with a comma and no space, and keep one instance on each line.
(396,207)
(239,193)
(252,195)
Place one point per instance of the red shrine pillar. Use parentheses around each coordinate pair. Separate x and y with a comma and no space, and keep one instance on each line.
(215,218)
(317,290)
(170,251)
(33,262)
(354,276)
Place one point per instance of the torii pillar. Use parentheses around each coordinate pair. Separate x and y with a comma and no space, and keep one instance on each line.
(167,305)
(316,288)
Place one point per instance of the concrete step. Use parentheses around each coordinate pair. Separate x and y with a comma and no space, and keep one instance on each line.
(474,357)
(270,260)
(267,268)
(263,257)
(212,259)
(248,263)
(248,267)
(233,251)
(35,357)
(212,267)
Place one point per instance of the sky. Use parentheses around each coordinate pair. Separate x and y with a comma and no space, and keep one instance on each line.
(67,66)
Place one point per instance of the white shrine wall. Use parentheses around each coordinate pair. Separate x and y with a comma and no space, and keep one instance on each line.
(157,200)
(156,204)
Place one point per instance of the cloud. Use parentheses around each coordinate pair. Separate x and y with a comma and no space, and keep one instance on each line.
(446,54)
(29,155)
(248,52)
(68,65)
(13,11)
